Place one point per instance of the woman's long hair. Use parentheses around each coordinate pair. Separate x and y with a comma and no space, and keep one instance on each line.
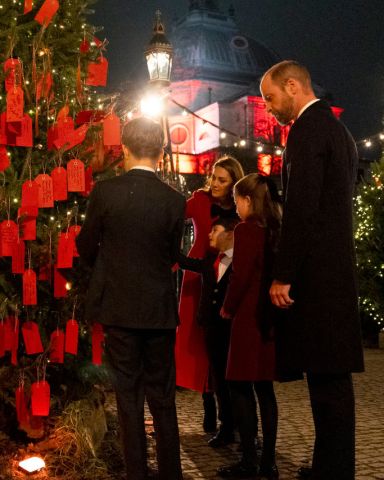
(232,166)
(265,203)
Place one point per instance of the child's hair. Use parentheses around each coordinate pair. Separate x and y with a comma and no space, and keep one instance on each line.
(265,203)
(229,223)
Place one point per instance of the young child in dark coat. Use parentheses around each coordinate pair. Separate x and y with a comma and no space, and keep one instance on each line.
(216,269)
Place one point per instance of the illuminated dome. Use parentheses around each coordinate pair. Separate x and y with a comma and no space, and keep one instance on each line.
(208,45)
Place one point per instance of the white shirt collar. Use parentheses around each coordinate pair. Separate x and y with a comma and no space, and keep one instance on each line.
(229,253)
(307,106)
(144,167)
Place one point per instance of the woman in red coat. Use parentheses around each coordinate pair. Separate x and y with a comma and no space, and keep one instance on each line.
(251,357)
(203,207)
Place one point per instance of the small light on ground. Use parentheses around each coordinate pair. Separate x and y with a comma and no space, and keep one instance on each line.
(32,465)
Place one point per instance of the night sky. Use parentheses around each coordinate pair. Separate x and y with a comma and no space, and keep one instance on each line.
(340,41)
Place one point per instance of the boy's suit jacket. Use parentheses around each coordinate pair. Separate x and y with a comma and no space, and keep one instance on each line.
(131,236)
(212,292)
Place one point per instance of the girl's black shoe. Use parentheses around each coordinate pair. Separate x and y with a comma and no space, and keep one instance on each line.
(270,473)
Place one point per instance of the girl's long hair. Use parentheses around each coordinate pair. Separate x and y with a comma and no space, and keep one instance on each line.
(265,203)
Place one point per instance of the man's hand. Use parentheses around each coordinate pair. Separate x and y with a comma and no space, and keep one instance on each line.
(279,293)
(224,314)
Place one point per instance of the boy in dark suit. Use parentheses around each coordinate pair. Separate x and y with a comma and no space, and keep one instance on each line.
(131,237)
(216,269)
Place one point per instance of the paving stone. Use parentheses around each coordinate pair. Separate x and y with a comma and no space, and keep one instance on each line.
(296,431)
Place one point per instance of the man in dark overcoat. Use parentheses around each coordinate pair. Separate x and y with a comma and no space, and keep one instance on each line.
(132,235)
(315,270)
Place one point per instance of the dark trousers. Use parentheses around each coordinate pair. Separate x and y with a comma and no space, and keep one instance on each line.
(333,408)
(217,343)
(142,366)
(244,410)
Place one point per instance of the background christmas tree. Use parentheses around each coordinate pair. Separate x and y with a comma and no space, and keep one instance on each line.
(369,238)
(53,125)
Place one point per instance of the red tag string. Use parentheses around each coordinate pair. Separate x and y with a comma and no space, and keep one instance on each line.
(21,378)
(8,208)
(29,258)
(74,307)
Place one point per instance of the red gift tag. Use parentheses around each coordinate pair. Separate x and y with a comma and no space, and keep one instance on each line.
(59,180)
(8,236)
(13,75)
(45,198)
(89,116)
(71,336)
(65,250)
(29,288)
(40,398)
(4,158)
(18,257)
(21,404)
(25,137)
(97,73)
(62,131)
(2,339)
(47,11)
(32,339)
(84,46)
(28,4)
(15,341)
(59,283)
(56,354)
(74,231)
(97,343)
(77,137)
(89,183)
(15,105)
(112,130)
(27,216)
(76,175)
(44,86)
(30,194)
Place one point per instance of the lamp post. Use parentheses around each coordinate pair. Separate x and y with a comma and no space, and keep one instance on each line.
(158,54)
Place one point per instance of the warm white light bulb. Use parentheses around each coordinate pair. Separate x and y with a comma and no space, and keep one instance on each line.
(31,465)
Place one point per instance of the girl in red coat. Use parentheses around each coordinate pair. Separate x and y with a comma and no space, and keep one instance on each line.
(203,207)
(251,357)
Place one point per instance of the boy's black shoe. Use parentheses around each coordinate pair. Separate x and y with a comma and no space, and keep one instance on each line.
(221,439)
(238,470)
(270,473)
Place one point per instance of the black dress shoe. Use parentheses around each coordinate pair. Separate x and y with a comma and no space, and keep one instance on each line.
(238,470)
(304,472)
(270,473)
(221,439)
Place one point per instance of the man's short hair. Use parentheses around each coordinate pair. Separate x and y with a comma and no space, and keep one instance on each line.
(144,138)
(229,223)
(281,72)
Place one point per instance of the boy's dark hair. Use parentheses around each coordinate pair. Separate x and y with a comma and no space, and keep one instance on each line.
(144,138)
(229,223)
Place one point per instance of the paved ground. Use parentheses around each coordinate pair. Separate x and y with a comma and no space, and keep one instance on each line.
(295,436)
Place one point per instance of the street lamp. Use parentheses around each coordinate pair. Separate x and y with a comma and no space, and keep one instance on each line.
(159,55)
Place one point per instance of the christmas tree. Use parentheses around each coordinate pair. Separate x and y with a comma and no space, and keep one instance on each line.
(55,130)
(369,238)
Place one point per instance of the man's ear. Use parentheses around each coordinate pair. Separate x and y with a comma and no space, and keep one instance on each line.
(291,87)
(125,151)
